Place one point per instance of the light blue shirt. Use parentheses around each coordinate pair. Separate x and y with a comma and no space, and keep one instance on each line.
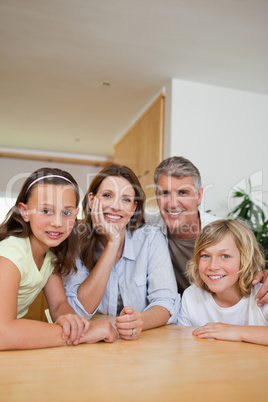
(144,276)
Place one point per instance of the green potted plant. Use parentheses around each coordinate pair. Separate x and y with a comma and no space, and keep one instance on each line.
(248,211)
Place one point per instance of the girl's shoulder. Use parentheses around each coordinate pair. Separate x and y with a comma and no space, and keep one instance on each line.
(18,251)
(15,243)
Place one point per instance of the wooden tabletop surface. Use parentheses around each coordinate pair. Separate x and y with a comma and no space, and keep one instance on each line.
(164,364)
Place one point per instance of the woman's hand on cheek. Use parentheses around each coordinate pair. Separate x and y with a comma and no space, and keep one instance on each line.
(109,231)
(129,324)
(74,328)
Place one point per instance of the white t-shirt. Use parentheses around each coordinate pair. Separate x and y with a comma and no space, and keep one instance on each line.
(199,308)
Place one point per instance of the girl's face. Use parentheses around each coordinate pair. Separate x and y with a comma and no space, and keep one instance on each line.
(51,211)
(219,265)
(117,196)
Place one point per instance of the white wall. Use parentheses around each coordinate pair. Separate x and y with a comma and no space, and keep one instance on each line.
(224,132)
(15,171)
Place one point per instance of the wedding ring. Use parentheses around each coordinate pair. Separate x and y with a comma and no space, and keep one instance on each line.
(133,331)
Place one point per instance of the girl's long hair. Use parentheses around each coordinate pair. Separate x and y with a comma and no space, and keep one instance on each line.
(14,224)
(91,242)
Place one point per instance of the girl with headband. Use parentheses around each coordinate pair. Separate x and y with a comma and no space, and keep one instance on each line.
(38,244)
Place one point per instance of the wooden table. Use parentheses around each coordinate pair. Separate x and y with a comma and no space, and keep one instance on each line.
(165,364)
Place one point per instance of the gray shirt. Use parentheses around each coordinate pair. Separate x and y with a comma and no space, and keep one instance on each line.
(181,251)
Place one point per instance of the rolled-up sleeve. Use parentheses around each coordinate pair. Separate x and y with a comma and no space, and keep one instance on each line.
(161,282)
(71,285)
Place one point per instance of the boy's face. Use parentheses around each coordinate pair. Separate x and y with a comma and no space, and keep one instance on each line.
(219,267)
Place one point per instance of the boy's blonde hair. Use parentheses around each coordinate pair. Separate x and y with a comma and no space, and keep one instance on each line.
(251,257)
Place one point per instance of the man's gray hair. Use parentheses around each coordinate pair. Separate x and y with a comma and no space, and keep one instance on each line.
(177,166)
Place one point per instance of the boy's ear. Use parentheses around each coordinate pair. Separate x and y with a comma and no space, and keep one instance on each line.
(90,198)
(23,211)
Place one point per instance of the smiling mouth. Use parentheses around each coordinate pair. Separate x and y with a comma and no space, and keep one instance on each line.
(113,217)
(176,213)
(54,234)
(215,277)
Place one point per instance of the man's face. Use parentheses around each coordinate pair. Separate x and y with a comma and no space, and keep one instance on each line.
(178,202)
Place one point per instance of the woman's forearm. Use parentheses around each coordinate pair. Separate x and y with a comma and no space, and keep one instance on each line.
(62,309)
(155,316)
(91,291)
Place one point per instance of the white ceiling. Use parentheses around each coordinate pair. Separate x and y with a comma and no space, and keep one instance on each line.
(56,53)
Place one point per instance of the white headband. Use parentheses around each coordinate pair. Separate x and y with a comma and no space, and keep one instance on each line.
(44,177)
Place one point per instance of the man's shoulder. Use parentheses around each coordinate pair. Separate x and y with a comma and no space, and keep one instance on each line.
(207,218)
(153,218)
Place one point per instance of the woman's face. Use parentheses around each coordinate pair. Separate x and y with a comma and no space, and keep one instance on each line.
(116,195)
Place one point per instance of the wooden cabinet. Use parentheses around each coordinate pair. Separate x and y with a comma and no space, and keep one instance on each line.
(141,148)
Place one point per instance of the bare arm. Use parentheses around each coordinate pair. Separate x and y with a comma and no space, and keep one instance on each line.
(240,333)
(56,298)
(29,334)
(21,334)
(74,327)
(91,291)
(155,316)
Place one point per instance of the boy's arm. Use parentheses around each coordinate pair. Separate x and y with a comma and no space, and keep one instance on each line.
(241,333)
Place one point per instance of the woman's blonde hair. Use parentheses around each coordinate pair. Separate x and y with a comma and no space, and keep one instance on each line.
(251,257)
